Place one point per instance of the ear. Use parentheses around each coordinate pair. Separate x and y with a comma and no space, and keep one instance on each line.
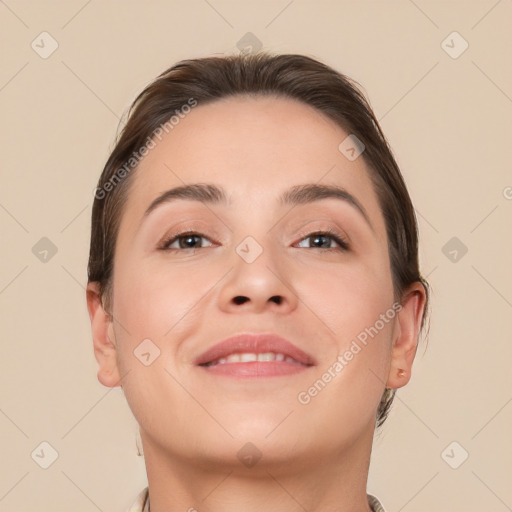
(103,338)
(405,335)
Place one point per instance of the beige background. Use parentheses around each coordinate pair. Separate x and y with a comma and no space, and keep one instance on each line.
(449,122)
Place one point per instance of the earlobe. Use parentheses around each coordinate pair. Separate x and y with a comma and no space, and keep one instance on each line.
(406,334)
(103,338)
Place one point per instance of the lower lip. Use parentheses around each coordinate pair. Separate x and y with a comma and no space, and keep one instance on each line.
(255,369)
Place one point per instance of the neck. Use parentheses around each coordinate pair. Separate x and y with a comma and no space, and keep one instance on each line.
(319,482)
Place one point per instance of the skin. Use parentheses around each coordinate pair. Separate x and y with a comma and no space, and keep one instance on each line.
(193,424)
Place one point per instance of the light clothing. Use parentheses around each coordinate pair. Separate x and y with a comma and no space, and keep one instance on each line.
(142,503)
(375,504)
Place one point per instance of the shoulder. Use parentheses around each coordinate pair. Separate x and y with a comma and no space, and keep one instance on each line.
(140,502)
(375,504)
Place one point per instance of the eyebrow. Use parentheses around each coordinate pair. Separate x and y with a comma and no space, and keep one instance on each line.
(298,194)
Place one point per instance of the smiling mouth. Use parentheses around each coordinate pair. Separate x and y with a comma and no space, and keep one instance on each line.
(250,357)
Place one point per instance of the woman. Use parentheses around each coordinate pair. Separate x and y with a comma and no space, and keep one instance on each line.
(254,284)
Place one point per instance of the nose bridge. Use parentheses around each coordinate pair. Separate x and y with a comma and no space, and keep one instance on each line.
(258,279)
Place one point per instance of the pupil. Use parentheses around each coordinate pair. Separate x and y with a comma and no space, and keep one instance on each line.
(319,237)
(186,240)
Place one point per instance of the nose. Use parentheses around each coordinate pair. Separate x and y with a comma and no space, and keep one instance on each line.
(265,284)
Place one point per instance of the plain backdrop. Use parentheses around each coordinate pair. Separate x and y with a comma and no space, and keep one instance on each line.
(439,77)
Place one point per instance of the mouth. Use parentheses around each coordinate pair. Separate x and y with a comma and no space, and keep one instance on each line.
(249,357)
(255,355)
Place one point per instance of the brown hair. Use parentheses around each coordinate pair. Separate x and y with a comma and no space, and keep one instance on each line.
(300,77)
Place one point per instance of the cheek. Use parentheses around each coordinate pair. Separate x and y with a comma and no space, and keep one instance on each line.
(347,298)
(354,310)
(357,307)
(154,300)
(160,304)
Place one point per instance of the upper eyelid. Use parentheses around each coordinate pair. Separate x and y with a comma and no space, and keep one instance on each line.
(327,230)
(326,226)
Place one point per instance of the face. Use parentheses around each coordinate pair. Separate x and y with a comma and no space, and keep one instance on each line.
(315,272)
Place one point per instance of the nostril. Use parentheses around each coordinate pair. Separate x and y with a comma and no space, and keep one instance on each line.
(240,299)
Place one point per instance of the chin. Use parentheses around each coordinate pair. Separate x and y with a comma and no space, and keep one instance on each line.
(251,454)
(260,422)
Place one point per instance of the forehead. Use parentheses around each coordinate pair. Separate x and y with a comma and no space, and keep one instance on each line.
(255,147)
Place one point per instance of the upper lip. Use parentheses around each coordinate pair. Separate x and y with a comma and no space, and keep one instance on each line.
(256,344)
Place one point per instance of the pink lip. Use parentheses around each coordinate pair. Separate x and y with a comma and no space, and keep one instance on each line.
(255,369)
(257,344)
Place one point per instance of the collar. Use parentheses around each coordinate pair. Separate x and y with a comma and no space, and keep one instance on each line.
(142,503)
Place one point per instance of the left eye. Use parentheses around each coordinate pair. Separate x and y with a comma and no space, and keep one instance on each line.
(323,238)
(184,241)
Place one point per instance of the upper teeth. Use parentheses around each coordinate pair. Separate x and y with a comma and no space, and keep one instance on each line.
(248,357)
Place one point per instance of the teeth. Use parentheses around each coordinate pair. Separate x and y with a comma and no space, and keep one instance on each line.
(247,358)
(250,357)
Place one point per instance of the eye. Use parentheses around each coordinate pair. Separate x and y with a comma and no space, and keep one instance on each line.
(193,240)
(185,240)
(323,240)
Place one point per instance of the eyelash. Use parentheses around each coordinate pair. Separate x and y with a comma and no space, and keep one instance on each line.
(336,237)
